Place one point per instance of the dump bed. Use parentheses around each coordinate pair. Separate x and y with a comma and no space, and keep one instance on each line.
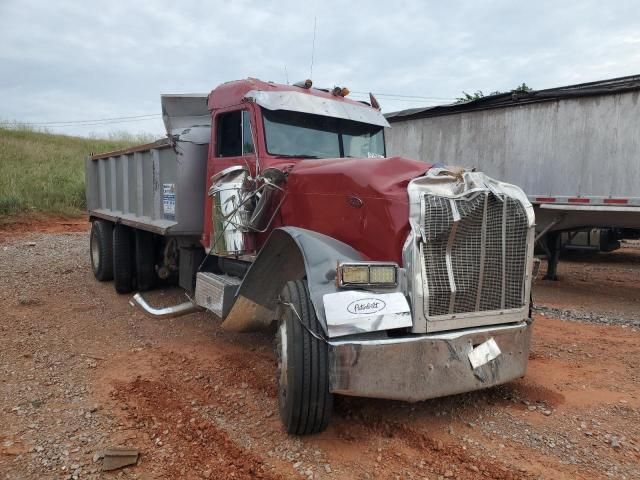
(159,187)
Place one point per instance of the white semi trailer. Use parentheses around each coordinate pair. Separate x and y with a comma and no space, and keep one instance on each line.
(574,150)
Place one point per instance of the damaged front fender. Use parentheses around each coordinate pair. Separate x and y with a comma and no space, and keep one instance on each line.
(290,253)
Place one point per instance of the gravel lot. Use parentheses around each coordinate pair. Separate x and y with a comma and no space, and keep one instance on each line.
(82,371)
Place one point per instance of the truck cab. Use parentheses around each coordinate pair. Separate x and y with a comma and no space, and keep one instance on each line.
(381,276)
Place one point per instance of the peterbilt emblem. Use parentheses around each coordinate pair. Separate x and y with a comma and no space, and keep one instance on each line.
(366,306)
(355,202)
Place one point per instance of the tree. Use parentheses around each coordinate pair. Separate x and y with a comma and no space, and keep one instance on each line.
(468,97)
(523,88)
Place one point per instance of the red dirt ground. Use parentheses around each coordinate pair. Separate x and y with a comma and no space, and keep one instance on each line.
(81,370)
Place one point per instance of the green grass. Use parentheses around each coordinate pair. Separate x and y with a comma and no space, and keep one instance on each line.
(41,172)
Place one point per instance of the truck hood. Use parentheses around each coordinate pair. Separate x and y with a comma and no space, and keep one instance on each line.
(360,201)
(370,177)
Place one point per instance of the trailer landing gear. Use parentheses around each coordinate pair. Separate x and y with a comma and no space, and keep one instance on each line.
(553,243)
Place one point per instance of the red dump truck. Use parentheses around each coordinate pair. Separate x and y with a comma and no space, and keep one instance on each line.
(276,207)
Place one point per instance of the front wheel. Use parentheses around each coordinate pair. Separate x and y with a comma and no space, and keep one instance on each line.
(303,364)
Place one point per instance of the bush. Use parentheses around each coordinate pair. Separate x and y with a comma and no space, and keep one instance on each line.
(43,172)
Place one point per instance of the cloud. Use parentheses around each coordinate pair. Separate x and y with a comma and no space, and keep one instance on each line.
(69,60)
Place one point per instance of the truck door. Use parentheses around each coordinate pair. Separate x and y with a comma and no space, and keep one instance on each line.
(233,143)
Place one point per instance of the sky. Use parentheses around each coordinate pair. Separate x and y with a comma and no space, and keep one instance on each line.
(69,61)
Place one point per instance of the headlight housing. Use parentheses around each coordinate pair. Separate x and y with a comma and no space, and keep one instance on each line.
(369,274)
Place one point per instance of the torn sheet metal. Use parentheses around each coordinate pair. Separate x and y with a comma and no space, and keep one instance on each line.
(453,183)
(305,103)
(187,115)
(484,353)
(358,311)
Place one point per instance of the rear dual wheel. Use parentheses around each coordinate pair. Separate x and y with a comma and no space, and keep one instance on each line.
(123,258)
(133,259)
(101,250)
(122,254)
(145,260)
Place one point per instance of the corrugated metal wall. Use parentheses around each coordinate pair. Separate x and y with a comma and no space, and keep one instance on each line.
(582,146)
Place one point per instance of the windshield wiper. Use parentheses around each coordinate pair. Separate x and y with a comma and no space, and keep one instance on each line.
(295,155)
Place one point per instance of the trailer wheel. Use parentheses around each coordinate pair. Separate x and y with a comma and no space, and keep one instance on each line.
(123,256)
(303,364)
(101,250)
(145,260)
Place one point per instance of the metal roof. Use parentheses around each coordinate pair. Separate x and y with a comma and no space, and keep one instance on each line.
(511,99)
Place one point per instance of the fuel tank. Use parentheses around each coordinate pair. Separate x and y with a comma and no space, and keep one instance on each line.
(360,201)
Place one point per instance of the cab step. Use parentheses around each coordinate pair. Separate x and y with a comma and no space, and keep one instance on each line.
(216,292)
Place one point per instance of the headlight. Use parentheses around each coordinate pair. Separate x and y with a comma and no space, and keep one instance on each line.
(358,274)
(367,274)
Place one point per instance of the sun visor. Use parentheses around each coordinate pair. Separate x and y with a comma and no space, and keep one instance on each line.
(306,103)
(187,114)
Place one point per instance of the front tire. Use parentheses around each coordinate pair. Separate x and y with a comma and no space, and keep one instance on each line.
(123,256)
(303,364)
(101,250)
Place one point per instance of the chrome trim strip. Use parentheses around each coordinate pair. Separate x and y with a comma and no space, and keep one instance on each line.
(483,247)
(452,236)
(423,267)
(504,252)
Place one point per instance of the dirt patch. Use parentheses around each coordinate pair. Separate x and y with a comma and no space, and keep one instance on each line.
(18,226)
(599,287)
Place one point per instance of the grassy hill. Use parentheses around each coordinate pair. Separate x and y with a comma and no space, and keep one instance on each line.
(44,173)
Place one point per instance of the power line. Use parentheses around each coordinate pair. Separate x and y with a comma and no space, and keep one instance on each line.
(64,125)
(388,97)
(403,96)
(95,120)
(384,99)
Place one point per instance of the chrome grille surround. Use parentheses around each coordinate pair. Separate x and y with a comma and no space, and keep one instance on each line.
(470,251)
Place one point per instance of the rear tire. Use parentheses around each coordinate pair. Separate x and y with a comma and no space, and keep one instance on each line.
(101,250)
(303,365)
(123,256)
(145,260)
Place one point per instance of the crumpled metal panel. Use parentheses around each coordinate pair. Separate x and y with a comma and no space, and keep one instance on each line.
(305,103)
(439,365)
(469,252)
(187,115)
(292,253)
(475,253)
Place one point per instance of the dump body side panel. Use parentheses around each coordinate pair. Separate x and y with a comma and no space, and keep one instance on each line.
(159,189)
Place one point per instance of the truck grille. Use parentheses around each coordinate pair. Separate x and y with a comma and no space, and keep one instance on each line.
(474,255)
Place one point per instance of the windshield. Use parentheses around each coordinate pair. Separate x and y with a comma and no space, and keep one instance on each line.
(295,134)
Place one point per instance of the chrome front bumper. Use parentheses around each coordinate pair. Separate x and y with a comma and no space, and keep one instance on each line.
(420,367)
